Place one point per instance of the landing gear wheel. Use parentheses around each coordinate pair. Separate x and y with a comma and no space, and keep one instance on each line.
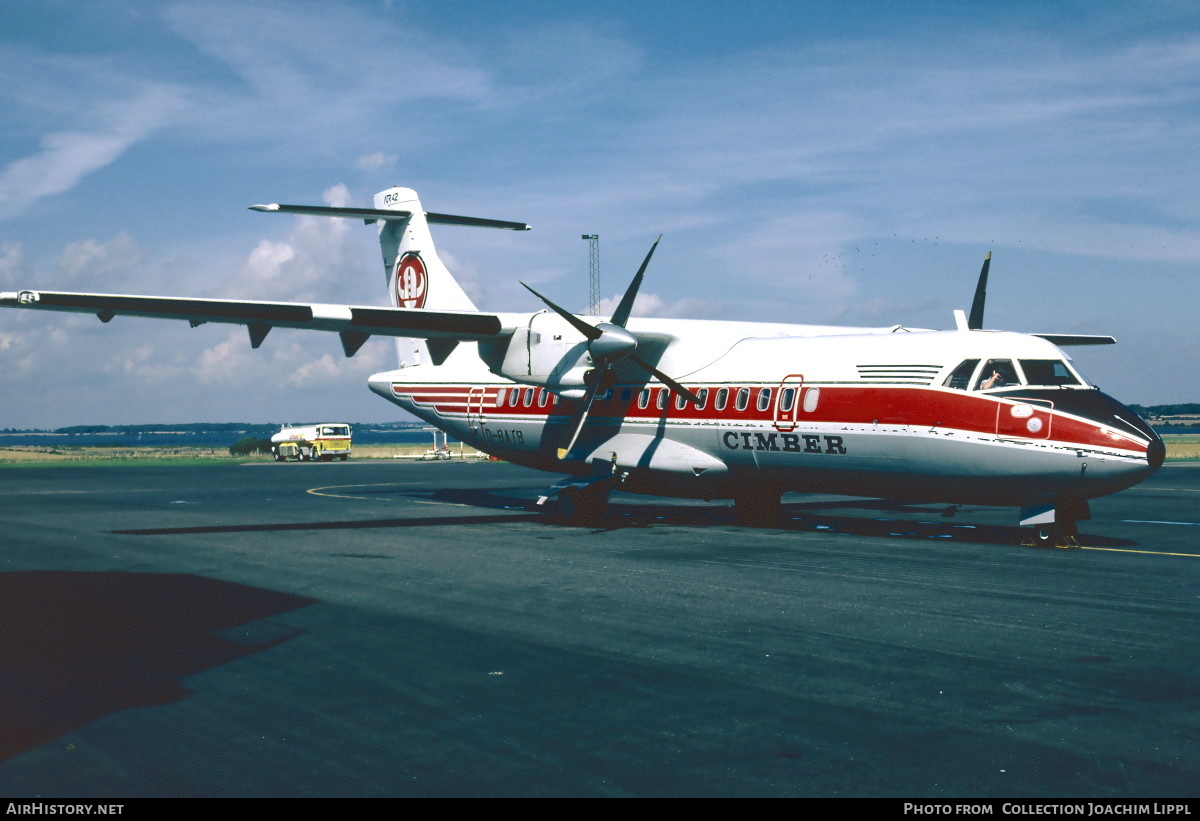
(760,509)
(1059,534)
(581,507)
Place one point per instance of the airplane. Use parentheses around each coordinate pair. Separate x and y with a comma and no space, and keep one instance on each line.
(710,410)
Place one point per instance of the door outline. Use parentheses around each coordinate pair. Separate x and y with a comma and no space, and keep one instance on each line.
(785,421)
(475,400)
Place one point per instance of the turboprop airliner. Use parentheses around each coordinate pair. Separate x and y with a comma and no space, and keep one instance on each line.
(713,409)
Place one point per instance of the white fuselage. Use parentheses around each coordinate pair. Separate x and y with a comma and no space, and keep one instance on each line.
(798,408)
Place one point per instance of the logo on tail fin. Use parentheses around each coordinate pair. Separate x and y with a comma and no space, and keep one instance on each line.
(412,281)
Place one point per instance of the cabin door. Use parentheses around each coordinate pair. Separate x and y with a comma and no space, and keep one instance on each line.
(475,408)
(787,402)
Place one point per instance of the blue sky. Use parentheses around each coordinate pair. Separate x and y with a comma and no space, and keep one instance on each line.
(807,162)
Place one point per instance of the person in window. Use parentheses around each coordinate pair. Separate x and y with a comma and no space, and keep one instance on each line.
(993,381)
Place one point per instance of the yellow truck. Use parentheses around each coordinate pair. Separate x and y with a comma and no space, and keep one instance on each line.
(312,443)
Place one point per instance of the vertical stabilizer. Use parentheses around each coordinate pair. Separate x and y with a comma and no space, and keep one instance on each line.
(415,275)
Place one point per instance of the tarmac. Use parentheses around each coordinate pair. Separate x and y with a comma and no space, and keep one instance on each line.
(419,629)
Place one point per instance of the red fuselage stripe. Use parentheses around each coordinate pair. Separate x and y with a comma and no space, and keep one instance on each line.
(917,407)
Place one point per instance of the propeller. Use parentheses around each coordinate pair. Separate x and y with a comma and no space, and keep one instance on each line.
(975,321)
(609,343)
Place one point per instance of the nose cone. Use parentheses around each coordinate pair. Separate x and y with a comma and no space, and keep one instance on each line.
(1156,452)
(1126,427)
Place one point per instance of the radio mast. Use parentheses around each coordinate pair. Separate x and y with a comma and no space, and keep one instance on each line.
(593,273)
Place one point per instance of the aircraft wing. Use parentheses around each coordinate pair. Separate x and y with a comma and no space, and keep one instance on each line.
(355,324)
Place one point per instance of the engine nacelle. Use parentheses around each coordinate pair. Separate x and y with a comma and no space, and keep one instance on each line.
(546,352)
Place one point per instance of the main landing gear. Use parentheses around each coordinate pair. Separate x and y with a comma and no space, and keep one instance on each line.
(582,505)
(580,502)
(757,508)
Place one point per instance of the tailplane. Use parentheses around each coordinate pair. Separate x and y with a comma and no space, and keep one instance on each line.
(415,275)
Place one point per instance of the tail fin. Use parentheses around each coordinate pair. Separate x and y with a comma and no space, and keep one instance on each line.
(415,275)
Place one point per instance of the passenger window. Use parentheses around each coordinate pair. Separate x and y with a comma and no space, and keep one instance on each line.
(681,401)
(787,399)
(722,399)
(1047,372)
(528,397)
(543,397)
(997,373)
(625,394)
(644,398)
(764,398)
(811,397)
(500,397)
(960,378)
(742,400)
(661,402)
(514,397)
(702,395)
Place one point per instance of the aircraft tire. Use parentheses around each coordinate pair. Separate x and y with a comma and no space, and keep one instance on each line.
(580,507)
(760,509)
(1057,534)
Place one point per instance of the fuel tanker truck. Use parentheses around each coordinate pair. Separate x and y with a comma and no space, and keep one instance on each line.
(312,443)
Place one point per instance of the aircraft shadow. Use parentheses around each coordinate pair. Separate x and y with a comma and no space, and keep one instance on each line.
(935,522)
(79,646)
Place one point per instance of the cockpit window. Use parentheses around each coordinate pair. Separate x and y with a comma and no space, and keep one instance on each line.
(1048,372)
(997,373)
(960,379)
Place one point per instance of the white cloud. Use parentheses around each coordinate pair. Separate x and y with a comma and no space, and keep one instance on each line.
(268,258)
(12,263)
(376,161)
(65,157)
(318,371)
(652,305)
(87,259)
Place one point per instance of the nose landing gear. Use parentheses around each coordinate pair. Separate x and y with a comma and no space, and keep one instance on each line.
(1057,525)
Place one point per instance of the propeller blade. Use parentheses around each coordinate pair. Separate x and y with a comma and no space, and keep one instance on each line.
(581,415)
(621,315)
(975,321)
(590,331)
(668,381)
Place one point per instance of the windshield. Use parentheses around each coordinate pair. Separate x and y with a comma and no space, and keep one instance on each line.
(997,373)
(1052,372)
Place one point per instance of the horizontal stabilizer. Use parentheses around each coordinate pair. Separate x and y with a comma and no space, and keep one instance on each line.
(386,215)
(1063,340)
